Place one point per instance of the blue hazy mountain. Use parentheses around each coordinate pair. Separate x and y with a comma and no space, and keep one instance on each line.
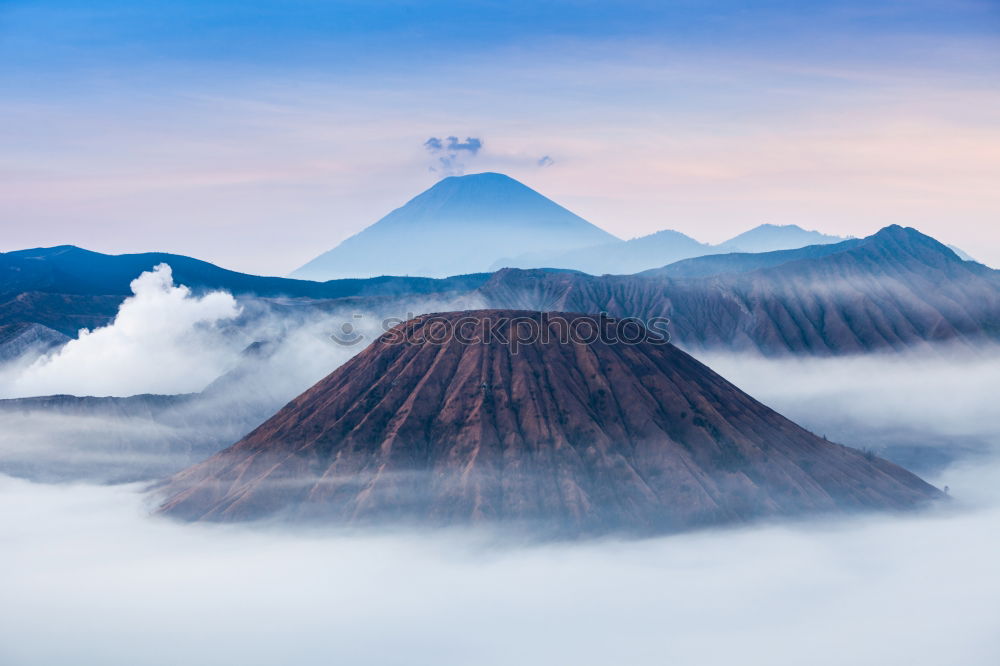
(905,288)
(67,269)
(772,237)
(66,288)
(741,262)
(463,224)
(893,290)
(666,247)
(618,257)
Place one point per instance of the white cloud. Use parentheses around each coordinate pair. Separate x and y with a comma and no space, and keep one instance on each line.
(114,441)
(164,339)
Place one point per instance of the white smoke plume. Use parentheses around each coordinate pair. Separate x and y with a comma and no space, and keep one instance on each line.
(241,384)
(164,339)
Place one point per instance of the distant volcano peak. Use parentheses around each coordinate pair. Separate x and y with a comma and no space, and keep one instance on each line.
(482,176)
(462,224)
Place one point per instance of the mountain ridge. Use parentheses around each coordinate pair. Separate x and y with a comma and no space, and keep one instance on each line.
(895,289)
(67,288)
(665,247)
(906,289)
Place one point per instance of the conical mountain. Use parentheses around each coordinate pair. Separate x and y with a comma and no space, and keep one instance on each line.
(524,418)
(463,224)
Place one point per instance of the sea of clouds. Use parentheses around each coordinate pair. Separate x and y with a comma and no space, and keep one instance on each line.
(926,410)
(89,576)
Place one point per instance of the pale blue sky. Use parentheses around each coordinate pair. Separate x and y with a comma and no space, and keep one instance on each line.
(258,134)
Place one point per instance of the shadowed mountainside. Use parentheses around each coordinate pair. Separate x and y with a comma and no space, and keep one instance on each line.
(742,262)
(569,437)
(67,288)
(895,289)
(24,339)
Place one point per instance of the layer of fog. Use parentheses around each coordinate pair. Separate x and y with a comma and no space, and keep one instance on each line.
(89,578)
(245,357)
(923,409)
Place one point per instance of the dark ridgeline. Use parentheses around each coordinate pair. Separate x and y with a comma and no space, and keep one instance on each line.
(566,437)
(894,290)
(67,288)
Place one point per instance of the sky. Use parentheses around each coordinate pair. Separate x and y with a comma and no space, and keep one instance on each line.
(258,134)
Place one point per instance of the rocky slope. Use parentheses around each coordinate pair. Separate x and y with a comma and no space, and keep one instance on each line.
(550,432)
(895,289)
(26,341)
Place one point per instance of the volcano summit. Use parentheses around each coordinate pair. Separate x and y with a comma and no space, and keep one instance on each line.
(503,417)
(490,216)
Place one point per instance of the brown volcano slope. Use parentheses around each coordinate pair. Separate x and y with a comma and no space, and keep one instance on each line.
(571,436)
